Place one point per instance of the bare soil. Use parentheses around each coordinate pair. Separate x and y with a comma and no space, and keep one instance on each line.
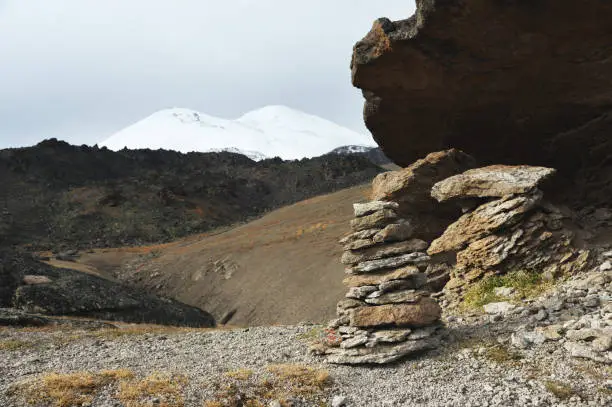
(280,269)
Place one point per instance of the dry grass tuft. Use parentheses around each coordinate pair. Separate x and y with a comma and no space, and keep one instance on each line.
(14,344)
(303,380)
(502,354)
(561,390)
(75,389)
(383,43)
(67,389)
(119,374)
(279,382)
(527,285)
(240,374)
(165,388)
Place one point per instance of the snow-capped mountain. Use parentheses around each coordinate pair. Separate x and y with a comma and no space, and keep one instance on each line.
(267,132)
(352,149)
(253,155)
(374,154)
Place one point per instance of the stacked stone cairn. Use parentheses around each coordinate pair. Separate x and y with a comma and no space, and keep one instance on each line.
(388,312)
(434,229)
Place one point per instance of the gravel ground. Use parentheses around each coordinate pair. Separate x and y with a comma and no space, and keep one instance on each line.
(461,373)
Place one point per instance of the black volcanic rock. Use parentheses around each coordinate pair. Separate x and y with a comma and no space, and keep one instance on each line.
(56,196)
(72,293)
(373,154)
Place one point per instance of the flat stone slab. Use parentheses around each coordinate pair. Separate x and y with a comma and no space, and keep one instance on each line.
(382,251)
(380,354)
(491,181)
(404,273)
(425,312)
(395,297)
(394,232)
(391,262)
(378,219)
(362,209)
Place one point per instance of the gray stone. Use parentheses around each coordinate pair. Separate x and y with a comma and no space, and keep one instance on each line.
(348,303)
(541,315)
(582,351)
(405,274)
(380,354)
(583,334)
(523,340)
(422,333)
(364,234)
(354,342)
(415,281)
(391,262)
(382,251)
(591,301)
(602,343)
(362,209)
(554,304)
(498,307)
(504,291)
(394,232)
(338,401)
(377,219)
(492,181)
(390,335)
(606,266)
(348,330)
(395,297)
(551,332)
(359,244)
(360,292)
(338,322)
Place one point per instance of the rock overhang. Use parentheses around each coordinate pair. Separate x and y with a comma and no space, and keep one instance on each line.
(510,82)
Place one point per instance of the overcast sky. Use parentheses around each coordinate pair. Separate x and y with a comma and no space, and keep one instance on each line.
(80,70)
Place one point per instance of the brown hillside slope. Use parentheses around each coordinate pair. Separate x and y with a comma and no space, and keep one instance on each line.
(282,268)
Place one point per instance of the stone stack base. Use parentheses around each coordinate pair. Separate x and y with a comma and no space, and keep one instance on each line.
(388,312)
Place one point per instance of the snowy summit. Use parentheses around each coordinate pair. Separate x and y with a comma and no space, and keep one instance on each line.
(272,131)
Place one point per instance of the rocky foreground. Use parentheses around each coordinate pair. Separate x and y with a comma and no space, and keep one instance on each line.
(490,299)
(483,360)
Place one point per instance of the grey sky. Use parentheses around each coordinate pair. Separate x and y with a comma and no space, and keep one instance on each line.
(80,70)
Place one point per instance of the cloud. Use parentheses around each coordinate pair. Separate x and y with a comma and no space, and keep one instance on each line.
(80,70)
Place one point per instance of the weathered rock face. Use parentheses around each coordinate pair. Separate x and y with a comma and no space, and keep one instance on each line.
(506,81)
(483,221)
(515,230)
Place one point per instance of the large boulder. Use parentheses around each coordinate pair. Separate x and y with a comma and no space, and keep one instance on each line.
(506,81)
(71,293)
